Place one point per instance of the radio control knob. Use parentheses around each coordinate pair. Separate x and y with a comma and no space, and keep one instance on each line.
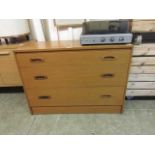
(121,38)
(102,39)
(112,39)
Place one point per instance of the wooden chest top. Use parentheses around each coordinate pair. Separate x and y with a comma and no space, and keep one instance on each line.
(33,46)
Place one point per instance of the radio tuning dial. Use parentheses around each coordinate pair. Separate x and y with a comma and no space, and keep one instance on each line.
(102,39)
(121,39)
(112,39)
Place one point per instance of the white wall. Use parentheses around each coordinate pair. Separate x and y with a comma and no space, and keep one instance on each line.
(13,27)
(41,30)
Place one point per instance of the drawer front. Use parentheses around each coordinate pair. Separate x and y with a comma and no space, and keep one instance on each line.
(74,58)
(49,77)
(76,97)
(7,60)
(11,78)
(8,69)
(76,109)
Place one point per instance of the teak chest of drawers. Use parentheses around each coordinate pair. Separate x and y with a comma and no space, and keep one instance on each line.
(65,77)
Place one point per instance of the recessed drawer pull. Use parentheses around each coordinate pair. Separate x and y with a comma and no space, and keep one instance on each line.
(36,60)
(106,96)
(109,58)
(41,77)
(107,75)
(44,97)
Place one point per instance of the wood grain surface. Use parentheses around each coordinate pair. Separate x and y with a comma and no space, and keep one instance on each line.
(65,77)
(76,109)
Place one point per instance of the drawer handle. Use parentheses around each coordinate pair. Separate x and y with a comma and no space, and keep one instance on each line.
(36,60)
(107,75)
(41,77)
(109,58)
(44,97)
(106,96)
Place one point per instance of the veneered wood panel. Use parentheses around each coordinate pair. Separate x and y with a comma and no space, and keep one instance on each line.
(91,58)
(76,109)
(70,76)
(72,61)
(59,46)
(8,69)
(1,82)
(78,96)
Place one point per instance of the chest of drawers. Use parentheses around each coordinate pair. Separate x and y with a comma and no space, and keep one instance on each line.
(64,77)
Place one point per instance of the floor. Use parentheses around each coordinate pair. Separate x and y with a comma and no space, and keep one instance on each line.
(138,118)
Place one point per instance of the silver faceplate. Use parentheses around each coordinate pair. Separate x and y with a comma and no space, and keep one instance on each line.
(106,39)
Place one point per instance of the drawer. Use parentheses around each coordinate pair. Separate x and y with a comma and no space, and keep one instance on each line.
(8,69)
(50,77)
(76,97)
(76,109)
(90,58)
